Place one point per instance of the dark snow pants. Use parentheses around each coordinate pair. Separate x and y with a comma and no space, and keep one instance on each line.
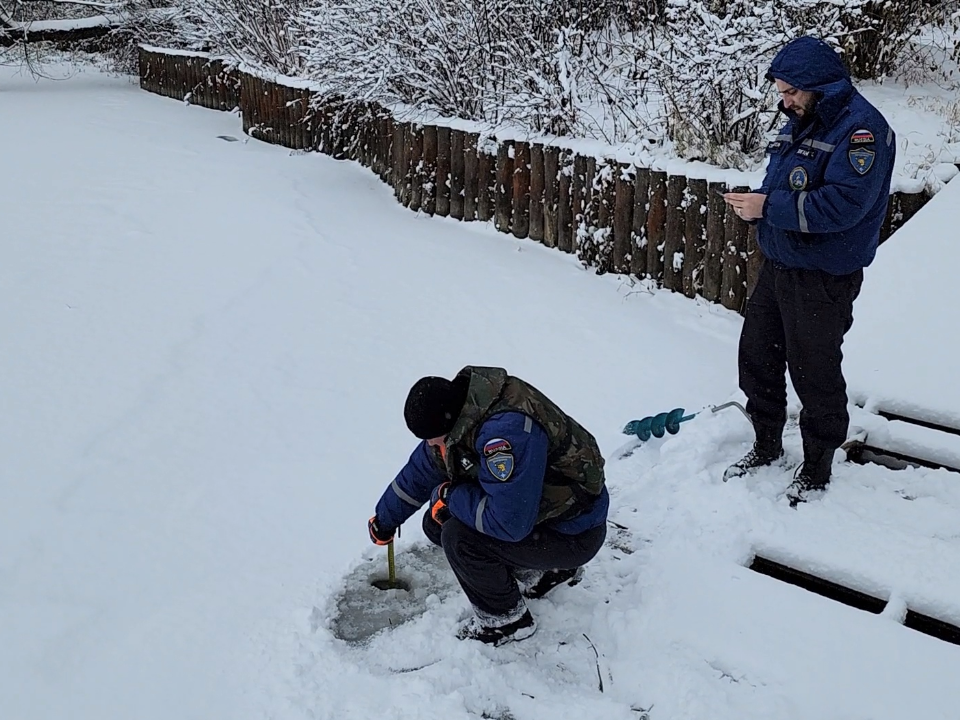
(796,320)
(483,564)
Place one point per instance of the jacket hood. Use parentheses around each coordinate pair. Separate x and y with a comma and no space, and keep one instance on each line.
(809,64)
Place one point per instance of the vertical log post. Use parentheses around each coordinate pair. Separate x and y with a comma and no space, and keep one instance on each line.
(604,203)
(415,167)
(623,218)
(551,193)
(754,262)
(638,234)
(428,197)
(398,176)
(694,240)
(673,239)
(536,192)
(486,178)
(565,221)
(713,252)
(733,288)
(457,172)
(443,171)
(503,196)
(656,224)
(520,191)
(471,176)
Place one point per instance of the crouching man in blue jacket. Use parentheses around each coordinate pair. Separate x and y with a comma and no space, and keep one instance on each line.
(516,493)
(818,214)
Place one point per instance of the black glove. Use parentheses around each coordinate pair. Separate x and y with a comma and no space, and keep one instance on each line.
(438,503)
(379,535)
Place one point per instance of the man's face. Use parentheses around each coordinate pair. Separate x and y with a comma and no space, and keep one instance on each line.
(800,102)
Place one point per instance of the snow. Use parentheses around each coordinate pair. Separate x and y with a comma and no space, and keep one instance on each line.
(67,24)
(206,348)
(901,352)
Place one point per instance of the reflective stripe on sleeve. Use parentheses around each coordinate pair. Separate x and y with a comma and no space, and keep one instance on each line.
(801,215)
(403,496)
(479,519)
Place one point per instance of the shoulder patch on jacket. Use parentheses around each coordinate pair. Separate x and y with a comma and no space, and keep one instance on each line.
(862,159)
(862,137)
(798,178)
(501,465)
(492,447)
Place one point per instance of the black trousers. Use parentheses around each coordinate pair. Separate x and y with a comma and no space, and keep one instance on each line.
(796,320)
(483,564)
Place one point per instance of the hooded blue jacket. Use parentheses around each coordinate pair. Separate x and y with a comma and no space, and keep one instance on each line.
(828,180)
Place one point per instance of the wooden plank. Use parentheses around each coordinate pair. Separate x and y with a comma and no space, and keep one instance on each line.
(581,193)
(694,236)
(733,287)
(486,179)
(457,172)
(536,192)
(656,224)
(401,155)
(673,238)
(713,250)
(386,172)
(415,167)
(623,218)
(754,262)
(503,196)
(601,213)
(638,234)
(551,194)
(520,220)
(428,198)
(471,176)
(443,171)
(565,221)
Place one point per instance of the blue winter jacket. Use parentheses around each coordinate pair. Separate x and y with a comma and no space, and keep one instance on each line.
(828,180)
(504,509)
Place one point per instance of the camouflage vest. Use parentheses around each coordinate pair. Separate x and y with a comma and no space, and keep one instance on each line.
(574,475)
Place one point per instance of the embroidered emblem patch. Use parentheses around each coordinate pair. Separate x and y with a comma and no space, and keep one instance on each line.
(798,178)
(496,445)
(500,465)
(862,137)
(862,160)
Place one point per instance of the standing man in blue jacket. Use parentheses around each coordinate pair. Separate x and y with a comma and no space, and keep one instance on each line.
(516,492)
(818,215)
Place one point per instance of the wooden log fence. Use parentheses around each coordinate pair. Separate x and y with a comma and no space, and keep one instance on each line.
(670,230)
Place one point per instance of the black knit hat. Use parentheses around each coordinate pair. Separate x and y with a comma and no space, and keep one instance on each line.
(434,404)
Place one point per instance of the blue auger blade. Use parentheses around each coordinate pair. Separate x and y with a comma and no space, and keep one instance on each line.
(657,425)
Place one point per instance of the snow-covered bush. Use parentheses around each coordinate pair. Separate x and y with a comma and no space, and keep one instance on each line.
(517,61)
(874,34)
(708,62)
(262,33)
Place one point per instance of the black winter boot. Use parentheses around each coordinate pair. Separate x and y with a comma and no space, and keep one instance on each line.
(545,581)
(498,629)
(767,449)
(813,476)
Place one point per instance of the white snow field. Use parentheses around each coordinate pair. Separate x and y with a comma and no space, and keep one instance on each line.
(206,347)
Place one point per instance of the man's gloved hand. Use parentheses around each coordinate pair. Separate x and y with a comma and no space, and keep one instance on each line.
(438,503)
(379,535)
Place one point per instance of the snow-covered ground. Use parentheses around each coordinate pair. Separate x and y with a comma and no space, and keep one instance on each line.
(206,349)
